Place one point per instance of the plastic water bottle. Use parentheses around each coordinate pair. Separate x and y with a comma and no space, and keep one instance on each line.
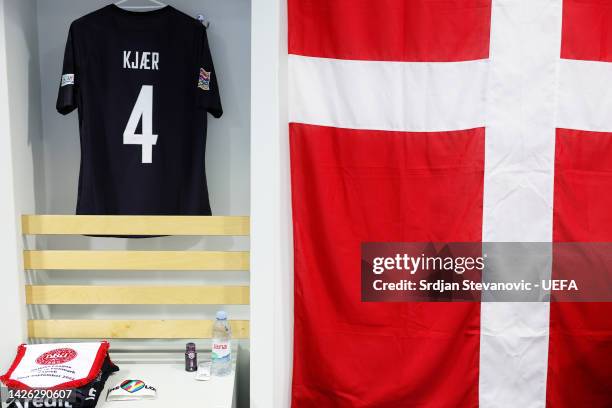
(221,346)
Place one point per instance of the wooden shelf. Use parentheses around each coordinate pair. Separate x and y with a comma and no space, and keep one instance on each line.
(137,260)
(136,295)
(130,329)
(134,225)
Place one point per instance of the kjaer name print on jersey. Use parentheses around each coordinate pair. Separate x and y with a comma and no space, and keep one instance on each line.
(141,60)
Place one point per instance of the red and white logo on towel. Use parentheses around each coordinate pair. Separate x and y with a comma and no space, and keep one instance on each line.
(55,366)
(57,356)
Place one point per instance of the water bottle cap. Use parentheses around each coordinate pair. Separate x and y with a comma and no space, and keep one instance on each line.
(221,315)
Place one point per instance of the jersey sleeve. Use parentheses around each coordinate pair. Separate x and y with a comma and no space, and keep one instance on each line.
(66,98)
(208,86)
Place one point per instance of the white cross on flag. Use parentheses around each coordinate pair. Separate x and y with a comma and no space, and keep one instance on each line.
(447,121)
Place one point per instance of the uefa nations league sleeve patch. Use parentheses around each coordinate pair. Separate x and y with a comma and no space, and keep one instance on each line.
(67,79)
(204,81)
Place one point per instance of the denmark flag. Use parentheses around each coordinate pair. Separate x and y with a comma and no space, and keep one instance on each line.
(456,121)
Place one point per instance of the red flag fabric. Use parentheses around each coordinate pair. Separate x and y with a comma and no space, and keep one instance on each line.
(580,354)
(390,30)
(352,186)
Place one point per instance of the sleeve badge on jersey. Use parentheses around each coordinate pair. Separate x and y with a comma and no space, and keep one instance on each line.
(67,79)
(204,81)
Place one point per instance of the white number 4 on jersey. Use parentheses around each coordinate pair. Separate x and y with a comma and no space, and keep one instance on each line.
(143,109)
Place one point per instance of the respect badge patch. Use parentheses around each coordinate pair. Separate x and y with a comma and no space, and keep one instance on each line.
(131,390)
(204,81)
(132,386)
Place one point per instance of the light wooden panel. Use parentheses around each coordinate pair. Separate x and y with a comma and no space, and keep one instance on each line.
(137,260)
(133,225)
(136,295)
(130,329)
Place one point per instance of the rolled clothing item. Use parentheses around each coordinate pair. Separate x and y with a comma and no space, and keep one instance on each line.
(88,396)
(131,390)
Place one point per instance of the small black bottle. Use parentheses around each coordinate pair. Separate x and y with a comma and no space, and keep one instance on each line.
(191,358)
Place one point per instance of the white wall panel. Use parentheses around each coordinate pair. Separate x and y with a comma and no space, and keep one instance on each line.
(272,237)
(20,148)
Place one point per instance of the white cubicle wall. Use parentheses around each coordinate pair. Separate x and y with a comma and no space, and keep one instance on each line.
(16,169)
(271,232)
(39,161)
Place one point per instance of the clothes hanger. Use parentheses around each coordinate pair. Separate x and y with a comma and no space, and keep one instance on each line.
(202,19)
(154,4)
(158,4)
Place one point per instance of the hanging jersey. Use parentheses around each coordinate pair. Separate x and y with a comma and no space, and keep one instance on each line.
(143,84)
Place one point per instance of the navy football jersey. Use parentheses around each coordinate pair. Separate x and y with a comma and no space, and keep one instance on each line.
(143,83)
